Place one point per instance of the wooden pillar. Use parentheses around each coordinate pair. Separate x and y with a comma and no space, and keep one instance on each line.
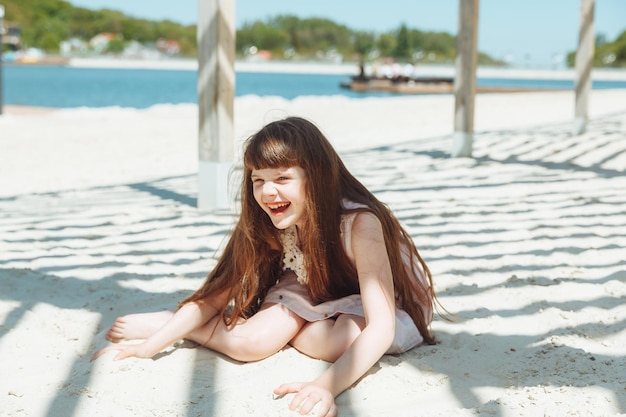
(1,58)
(584,63)
(465,78)
(216,95)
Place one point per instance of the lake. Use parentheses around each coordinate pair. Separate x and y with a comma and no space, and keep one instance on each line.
(66,87)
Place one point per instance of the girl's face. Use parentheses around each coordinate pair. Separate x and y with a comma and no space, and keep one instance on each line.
(281,194)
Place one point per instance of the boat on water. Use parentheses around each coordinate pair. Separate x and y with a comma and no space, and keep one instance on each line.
(421,85)
(433,85)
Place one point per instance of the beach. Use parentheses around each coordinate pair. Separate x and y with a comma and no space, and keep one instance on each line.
(525,241)
(345,68)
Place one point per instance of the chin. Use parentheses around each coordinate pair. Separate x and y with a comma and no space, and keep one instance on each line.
(282,223)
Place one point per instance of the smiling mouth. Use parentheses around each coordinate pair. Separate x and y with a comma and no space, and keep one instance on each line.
(278,208)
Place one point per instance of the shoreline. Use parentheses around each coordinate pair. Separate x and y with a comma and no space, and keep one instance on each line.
(614,96)
(348,69)
(20,110)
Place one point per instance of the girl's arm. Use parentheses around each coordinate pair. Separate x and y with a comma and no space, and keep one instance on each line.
(377,294)
(186,319)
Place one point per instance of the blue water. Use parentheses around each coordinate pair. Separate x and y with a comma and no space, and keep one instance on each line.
(58,86)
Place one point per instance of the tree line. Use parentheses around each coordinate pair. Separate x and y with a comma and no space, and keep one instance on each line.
(606,54)
(45,23)
(286,36)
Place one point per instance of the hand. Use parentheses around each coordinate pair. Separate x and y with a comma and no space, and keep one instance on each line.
(307,396)
(125,351)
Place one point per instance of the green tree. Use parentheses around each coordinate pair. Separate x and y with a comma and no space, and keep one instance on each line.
(45,22)
(402,50)
(116,46)
(315,34)
(619,48)
(262,36)
(49,41)
(386,44)
(188,46)
(606,54)
(364,42)
(49,33)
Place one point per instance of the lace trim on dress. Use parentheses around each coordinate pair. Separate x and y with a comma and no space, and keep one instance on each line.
(293,258)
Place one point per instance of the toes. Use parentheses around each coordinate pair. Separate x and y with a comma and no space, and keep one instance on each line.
(113,336)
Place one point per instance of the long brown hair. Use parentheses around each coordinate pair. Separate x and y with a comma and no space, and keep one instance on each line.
(251,261)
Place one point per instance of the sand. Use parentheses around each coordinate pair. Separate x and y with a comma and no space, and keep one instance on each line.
(345,68)
(526,241)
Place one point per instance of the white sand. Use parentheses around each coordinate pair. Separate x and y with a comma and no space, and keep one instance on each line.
(526,242)
(348,68)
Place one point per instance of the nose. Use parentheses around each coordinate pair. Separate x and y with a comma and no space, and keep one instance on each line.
(269,188)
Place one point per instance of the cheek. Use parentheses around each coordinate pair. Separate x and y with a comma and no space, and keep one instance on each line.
(302,193)
(256,194)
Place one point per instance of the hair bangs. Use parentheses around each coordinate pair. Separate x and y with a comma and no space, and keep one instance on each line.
(269,152)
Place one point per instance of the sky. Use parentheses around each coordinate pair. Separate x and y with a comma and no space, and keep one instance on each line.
(529,33)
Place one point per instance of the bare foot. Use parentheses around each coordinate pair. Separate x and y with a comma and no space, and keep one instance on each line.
(137,326)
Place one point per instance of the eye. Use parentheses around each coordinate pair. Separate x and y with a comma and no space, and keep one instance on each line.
(257,180)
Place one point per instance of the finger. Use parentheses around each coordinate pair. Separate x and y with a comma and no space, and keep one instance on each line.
(306,406)
(303,402)
(325,409)
(123,354)
(309,402)
(103,351)
(288,388)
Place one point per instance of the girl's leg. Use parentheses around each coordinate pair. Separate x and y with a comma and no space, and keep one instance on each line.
(258,337)
(137,326)
(144,325)
(329,339)
(253,339)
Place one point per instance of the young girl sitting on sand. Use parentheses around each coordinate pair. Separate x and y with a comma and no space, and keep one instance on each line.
(315,262)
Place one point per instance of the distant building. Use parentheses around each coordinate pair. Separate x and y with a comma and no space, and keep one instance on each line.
(136,50)
(11,35)
(73,46)
(133,49)
(168,46)
(255,54)
(100,42)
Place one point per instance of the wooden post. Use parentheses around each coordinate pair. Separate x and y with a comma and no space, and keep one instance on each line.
(1,48)
(584,63)
(465,78)
(216,95)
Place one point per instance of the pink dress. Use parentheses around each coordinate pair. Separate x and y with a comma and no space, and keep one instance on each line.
(293,294)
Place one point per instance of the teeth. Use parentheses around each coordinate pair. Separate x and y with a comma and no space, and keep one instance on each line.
(277,205)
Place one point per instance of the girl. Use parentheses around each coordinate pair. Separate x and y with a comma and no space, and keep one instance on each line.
(315,261)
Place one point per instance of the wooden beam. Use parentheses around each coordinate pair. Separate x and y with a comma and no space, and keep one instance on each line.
(584,64)
(1,59)
(216,95)
(465,78)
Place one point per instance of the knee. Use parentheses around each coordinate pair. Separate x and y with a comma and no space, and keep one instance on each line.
(328,340)
(252,347)
(349,328)
(345,332)
(258,337)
